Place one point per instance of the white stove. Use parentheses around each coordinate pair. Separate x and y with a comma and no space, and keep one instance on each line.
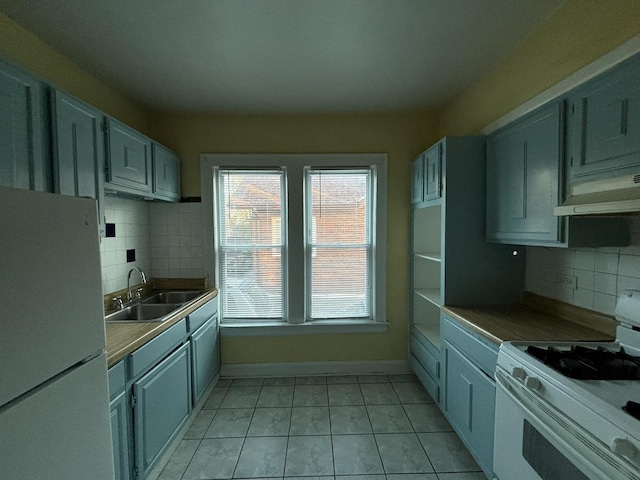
(571,410)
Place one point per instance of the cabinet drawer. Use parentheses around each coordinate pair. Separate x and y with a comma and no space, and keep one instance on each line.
(429,384)
(428,361)
(485,356)
(117,379)
(148,354)
(202,314)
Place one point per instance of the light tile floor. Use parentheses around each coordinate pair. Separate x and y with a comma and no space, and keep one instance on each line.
(366,427)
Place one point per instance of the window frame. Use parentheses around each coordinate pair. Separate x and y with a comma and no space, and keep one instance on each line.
(296,165)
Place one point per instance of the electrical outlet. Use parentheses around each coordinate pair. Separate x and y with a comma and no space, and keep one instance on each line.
(567,281)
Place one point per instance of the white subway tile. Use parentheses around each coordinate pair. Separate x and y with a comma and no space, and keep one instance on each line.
(605,283)
(196,228)
(606,262)
(196,240)
(628,283)
(629,266)
(565,294)
(583,298)
(585,260)
(585,279)
(604,303)
(185,229)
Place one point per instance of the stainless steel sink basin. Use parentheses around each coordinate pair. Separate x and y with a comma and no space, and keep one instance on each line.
(178,296)
(143,313)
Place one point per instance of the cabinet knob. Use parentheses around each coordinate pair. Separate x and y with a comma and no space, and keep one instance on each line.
(519,373)
(532,383)
(622,446)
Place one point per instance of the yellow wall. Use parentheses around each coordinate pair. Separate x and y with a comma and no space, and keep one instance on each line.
(22,48)
(578,33)
(401,136)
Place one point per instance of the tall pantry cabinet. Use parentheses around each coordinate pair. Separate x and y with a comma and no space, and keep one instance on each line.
(451,263)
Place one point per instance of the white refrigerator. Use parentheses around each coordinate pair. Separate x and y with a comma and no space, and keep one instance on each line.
(54,399)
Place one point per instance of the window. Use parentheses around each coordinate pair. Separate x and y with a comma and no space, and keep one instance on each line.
(251,243)
(338,243)
(297,238)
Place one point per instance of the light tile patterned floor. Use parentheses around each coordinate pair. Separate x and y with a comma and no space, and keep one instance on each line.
(366,427)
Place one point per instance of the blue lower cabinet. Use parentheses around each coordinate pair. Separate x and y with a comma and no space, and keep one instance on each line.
(425,363)
(120,437)
(205,357)
(162,403)
(469,404)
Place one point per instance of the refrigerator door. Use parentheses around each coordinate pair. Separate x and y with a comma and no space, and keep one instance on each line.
(60,430)
(51,308)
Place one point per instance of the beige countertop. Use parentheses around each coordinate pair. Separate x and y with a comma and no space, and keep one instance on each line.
(125,337)
(536,318)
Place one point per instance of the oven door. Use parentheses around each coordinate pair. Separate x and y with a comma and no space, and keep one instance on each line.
(534,441)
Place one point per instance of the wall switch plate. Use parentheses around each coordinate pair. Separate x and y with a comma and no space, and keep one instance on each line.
(570,281)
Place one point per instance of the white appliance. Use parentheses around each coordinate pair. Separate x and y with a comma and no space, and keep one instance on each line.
(54,399)
(571,411)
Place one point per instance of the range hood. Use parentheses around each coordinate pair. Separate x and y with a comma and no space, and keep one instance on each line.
(601,197)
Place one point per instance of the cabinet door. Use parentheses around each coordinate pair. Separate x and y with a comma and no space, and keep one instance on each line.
(78,150)
(604,125)
(523,180)
(162,406)
(417,180)
(469,405)
(120,437)
(23,142)
(205,354)
(166,173)
(128,158)
(432,176)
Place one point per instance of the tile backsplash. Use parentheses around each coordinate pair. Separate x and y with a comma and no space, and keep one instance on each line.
(600,274)
(176,240)
(131,219)
(166,237)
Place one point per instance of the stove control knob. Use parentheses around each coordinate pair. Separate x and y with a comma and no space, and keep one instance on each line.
(532,383)
(622,446)
(519,373)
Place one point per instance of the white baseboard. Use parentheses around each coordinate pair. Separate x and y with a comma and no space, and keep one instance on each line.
(243,370)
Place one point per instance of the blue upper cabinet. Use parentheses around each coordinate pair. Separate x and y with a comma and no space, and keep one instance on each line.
(432,159)
(78,150)
(426,178)
(128,159)
(603,125)
(24,158)
(417,180)
(166,173)
(524,162)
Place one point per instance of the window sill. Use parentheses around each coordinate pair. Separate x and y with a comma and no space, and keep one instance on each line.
(272,329)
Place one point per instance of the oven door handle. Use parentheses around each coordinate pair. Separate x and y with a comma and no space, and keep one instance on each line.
(565,433)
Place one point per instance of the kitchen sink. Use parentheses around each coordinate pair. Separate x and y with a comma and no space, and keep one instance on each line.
(143,313)
(178,296)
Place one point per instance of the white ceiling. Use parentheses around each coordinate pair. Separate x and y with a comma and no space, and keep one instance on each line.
(284,56)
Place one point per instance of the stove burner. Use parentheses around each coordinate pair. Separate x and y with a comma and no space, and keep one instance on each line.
(587,363)
(633,409)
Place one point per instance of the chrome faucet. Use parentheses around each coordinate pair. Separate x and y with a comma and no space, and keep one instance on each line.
(143,277)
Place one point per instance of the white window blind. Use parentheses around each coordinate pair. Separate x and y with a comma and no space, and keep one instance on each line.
(251,233)
(339,243)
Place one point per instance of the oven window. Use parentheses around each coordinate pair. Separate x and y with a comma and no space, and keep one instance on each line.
(545,459)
